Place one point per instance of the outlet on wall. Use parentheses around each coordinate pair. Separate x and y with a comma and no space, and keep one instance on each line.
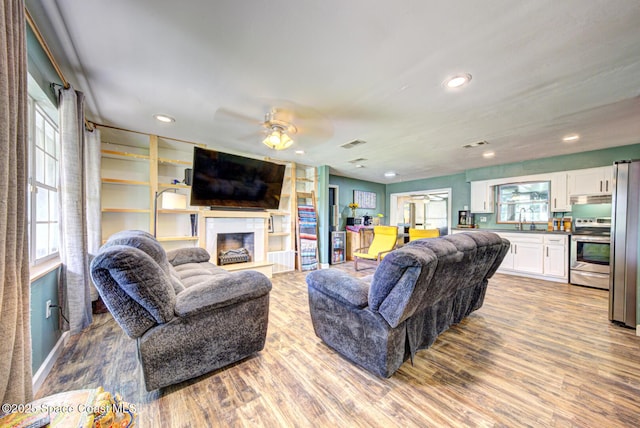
(48,308)
(483,219)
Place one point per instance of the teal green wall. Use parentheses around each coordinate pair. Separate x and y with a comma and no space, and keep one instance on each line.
(460,190)
(323,207)
(582,160)
(346,186)
(44,331)
(40,67)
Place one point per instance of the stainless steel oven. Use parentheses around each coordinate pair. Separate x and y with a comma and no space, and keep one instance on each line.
(590,252)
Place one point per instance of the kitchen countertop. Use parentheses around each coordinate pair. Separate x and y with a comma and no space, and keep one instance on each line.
(514,230)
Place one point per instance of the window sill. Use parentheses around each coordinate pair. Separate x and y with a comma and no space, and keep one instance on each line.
(38,271)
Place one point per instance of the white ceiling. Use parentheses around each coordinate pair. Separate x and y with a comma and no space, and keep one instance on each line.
(360,69)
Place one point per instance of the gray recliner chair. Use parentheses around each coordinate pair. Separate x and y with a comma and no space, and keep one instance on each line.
(189,317)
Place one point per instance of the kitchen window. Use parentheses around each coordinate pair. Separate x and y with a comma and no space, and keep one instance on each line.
(524,203)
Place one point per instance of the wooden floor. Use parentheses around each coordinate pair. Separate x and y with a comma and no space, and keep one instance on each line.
(536,354)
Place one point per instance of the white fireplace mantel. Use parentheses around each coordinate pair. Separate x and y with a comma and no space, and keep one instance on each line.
(221,221)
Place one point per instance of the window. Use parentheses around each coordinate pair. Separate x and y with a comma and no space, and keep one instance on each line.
(44,167)
(523,202)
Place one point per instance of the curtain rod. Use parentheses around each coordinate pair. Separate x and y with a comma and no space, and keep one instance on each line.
(52,60)
(100,125)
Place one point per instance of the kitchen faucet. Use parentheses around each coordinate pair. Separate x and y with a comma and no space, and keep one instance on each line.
(532,226)
(519,225)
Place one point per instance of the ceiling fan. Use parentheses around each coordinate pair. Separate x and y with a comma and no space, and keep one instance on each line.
(283,122)
(278,132)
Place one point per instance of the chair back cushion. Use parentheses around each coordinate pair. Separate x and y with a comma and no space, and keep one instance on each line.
(384,239)
(423,233)
(147,243)
(133,285)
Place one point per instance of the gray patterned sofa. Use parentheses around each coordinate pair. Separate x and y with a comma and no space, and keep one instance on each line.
(416,293)
(189,317)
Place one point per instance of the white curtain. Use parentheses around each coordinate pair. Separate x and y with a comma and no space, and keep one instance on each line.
(78,169)
(15,328)
(93,187)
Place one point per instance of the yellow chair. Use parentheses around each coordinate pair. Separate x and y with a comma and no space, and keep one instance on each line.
(385,239)
(423,233)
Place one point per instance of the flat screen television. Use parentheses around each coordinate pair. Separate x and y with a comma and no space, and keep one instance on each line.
(229,181)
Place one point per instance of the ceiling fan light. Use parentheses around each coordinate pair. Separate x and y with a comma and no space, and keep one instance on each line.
(277,140)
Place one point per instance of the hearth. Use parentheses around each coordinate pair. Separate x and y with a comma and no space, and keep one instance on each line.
(235,247)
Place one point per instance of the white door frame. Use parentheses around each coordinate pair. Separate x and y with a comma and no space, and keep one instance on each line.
(394,217)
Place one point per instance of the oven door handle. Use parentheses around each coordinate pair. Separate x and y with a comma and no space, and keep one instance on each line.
(604,240)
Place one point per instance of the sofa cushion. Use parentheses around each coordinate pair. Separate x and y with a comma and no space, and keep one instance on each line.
(220,291)
(181,256)
(194,273)
(340,286)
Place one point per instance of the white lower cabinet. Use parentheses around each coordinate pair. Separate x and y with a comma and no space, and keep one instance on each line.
(536,255)
(556,256)
(525,253)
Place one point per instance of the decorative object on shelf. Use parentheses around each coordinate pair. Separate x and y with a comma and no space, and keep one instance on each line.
(169,203)
(194,224)
(366,200)
(354,206)
(270,224)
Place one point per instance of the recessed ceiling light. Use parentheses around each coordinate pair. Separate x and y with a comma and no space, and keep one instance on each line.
(164,118)
(488,155)
(390,174)
(299,152)
(457,81)
(570,138)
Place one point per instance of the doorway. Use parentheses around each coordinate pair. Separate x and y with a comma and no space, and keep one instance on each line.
(422,209)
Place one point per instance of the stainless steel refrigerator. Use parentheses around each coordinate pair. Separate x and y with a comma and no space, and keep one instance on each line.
(623,280)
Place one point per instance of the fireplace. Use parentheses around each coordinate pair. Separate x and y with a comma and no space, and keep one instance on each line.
(235,248)
(231,231)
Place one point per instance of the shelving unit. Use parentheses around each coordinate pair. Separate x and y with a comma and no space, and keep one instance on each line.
(134,167)
(280,235)
(126,184)
(305,183)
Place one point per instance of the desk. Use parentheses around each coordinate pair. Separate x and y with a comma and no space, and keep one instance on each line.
(359,239)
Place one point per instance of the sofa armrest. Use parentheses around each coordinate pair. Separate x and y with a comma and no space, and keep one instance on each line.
(221,291)
(340,286)
(182,256)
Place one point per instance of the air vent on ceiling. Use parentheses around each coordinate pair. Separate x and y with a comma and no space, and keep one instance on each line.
(476,144)
(352,144)
(359,160)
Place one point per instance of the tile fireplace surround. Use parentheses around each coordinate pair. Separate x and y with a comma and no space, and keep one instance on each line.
(236,222)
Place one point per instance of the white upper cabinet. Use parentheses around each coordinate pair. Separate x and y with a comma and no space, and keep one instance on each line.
(559,199)
(481,197)
(591,181)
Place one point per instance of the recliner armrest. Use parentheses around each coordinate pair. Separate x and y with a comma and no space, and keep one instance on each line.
(340,286)
(182,256)
(221,291)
